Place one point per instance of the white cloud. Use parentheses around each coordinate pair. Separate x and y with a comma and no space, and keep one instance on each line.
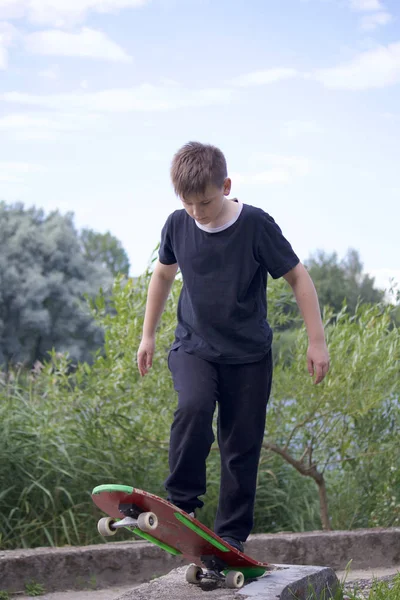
(8,33)
(378,14)
(50,72)
(366,5)
(297,128)
(144,97)
(263,77)
(391,116)
(61,13)
(87,43)
(279,169)
(14,172)
(31,126)
(371,22)
(373,69)
(3,56)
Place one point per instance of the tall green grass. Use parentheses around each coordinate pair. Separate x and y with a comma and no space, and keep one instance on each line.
(65,429)
(53,451)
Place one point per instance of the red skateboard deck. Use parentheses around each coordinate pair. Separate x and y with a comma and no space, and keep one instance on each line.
(162,523)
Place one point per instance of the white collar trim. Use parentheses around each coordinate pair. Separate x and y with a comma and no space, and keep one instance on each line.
(222,227)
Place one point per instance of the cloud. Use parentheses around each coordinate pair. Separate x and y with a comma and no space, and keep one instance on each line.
(50,73)
(366,5)
(145,97)
(378,15)
(263,77)
(280,169)
(391,116)
(31,126)
(14,172)
(297,128)
(3,55)
(8,33)
(379,67)
(371,22)
(373,69)
(87,43)
(61,13)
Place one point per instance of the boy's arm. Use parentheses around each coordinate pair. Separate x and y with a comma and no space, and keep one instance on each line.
(307,300)
(159,287)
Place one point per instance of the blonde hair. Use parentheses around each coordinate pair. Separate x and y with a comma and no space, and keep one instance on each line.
(195,166)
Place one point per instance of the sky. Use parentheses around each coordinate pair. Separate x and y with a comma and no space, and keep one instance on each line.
(302,96)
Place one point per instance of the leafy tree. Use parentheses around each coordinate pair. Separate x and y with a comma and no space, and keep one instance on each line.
(338,281)
(44,278)
(314,428)
(105,249)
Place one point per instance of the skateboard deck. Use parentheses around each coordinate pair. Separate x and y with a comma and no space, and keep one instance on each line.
(160,522)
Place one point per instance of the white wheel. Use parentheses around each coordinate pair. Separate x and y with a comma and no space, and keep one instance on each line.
(235,579)
(147,521)
(104,527)
(193,573)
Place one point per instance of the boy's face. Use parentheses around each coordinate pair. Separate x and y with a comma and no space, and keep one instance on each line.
(206,208)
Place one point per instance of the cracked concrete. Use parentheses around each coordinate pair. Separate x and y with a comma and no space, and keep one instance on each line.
(287,582)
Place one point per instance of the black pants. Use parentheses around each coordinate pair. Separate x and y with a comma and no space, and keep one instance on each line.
(242,393)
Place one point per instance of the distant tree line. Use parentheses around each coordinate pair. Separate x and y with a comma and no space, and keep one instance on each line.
(47,271)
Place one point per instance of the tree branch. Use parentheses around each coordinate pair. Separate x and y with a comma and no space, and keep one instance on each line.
(310,471)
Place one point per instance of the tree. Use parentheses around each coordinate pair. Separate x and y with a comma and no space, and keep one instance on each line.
(315,428)
(106,250)
(337,281)
(44,279)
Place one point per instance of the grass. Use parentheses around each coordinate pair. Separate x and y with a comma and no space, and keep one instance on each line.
(34,589)
(380,590)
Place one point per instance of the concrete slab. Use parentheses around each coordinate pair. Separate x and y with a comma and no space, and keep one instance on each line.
(366,548)
(372,573)
(106,594)
(132,563)
(286,582)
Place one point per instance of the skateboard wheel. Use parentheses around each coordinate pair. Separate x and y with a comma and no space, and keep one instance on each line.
(104,527)
(147,521)
(193,573)
(235,579)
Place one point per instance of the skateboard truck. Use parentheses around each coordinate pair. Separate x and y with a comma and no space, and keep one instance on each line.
(145,521)
(233,579)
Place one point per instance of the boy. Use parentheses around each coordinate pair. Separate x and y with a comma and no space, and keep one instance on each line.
(222,347)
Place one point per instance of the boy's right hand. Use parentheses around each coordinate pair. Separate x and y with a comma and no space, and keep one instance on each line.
(145,354)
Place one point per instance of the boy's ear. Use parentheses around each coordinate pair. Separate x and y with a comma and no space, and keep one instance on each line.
(227,186)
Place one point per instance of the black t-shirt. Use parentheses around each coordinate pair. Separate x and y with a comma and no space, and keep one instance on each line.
(222,310)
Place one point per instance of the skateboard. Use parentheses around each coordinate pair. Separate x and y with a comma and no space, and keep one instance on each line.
(172,529)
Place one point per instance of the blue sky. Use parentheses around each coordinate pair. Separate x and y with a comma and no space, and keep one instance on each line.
(303,97)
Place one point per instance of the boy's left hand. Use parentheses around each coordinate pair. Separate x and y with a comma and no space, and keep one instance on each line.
(318,361)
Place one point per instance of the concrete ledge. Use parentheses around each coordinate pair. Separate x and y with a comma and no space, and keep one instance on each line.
(364,547)
(288,582)
(88,567)
(116,563)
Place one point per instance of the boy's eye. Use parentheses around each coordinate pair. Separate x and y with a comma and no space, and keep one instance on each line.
(206,202)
